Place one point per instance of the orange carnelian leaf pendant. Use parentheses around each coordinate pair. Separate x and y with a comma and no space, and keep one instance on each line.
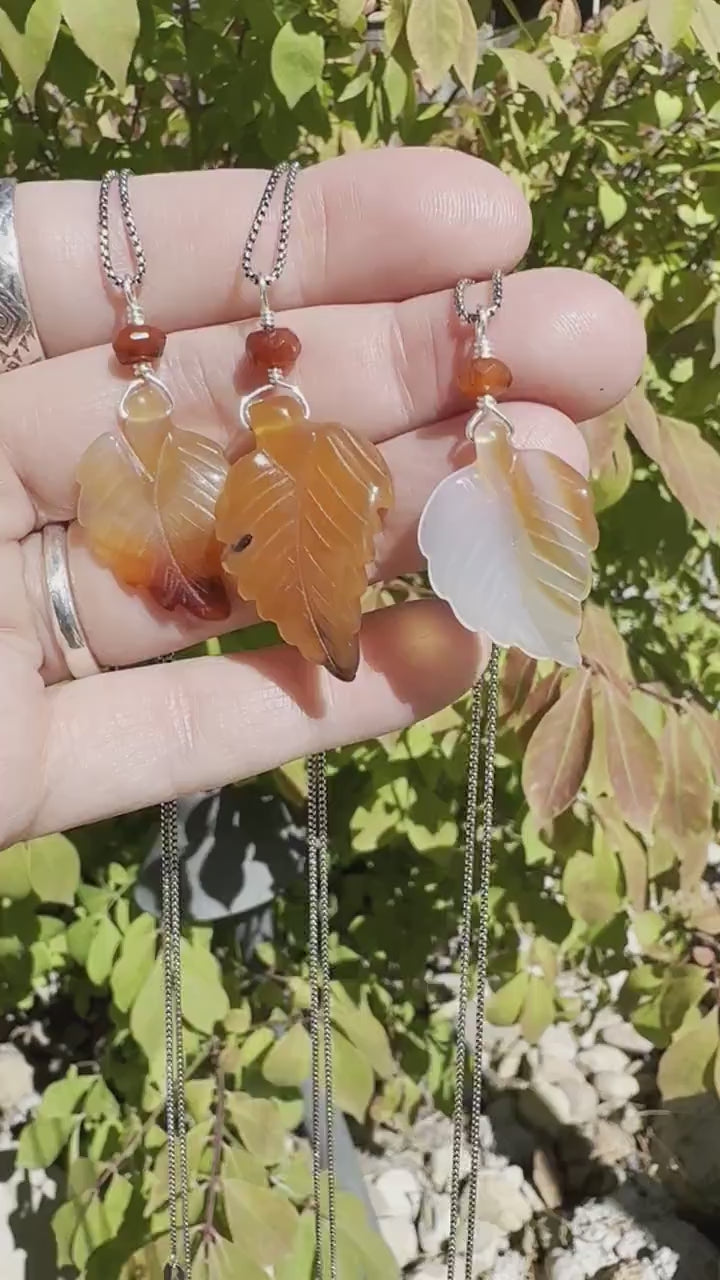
(148,491)
(299,514)
(508,539)
(147,504)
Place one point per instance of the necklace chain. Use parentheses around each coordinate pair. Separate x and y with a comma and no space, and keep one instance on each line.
(128,280)
(289,171)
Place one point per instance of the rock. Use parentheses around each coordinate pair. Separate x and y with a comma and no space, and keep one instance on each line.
(396,1193)
(510,1137)
(558,1042)
(624,1036)
(563,1266)
(400,1236)
(611,1143)
(434,1222)
(16,1084)
(602,1057)
(430,1271)
(582,1099)
(547,1179)
(500,1199)
(512,1266)
(616,1087)
(545,1107)
(509,1066)
(441,1165)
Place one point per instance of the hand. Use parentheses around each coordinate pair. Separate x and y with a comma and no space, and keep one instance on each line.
(379,240)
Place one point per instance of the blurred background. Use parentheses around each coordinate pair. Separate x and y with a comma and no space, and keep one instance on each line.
(603,1053)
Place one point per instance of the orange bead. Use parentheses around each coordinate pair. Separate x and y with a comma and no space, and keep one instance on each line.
(138,343)
(273,348)
(483,376)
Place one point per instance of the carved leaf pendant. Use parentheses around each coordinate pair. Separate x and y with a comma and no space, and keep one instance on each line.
(147,505)
(508,543)
(298,517)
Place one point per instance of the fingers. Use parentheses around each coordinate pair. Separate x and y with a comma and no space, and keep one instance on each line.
(123,627)
(121,741)
(572,341)
(383,224)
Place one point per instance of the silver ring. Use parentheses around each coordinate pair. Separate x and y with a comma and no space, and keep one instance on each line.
(19,341)
(71,638)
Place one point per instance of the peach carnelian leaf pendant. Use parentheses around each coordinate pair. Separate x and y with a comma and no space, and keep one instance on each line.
(147,504)
(298,517)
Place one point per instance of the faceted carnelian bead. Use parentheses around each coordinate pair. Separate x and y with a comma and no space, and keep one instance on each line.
(138,343)
(273,348)
(483,376)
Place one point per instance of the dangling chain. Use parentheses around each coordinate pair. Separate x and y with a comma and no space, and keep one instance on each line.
(323,1109)
(176,1268)
(482,747)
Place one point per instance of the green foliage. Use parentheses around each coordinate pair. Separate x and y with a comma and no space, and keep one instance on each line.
(607,777)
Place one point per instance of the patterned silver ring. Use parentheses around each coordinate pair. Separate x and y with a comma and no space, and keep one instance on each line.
(71,638)
(19,341)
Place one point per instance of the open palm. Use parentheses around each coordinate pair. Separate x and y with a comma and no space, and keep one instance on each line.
(379,240)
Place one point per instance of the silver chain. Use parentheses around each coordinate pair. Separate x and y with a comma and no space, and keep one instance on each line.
(178,1266)
(482,748)
(131,280)
(479,314)
(323,1103)
(289,171)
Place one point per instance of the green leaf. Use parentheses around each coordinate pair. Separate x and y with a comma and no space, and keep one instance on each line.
(106,33)
(364,1253)
(15,873)
(611,203)
(239,1020)
(146,1023)
(538,1008)
(297,59)
(686,986)
(353,1078)
(295,1177)
(591,889)
(65,1223)
(205,1000)
(466,62)
(435,35)
(363,1030)
(299,1264)
(288,1062)
(349,12)
(103,949)
(669,107)
(258,1122)
(225,1260)
(263,1221)
(683,1066)
(41,1141)
(505,1005)
(238,1163)
(715,360)
(528,70)
(670,20)
(622,25)
(62,1097)
(29,54)
(706,28)
(395,18)
(102,1220)
(135,962)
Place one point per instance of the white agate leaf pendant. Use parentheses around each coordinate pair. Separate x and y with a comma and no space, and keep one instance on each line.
(508,542)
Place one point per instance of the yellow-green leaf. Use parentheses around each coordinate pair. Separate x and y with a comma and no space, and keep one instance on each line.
(224,1260)
(106,33)
(538,1008)
(591,889)
(353,1078)
(349,11)
(684,1065)
(288,1062)
(466,61)
(258,1122)
(260,1220)
(622,25)
(670,20)
(364,1031)
(528,70)
(146,1024)
(15,872)
(135,962)
(204,998)
(41,1141)
(435,35)
(691,468)
(29,53)
(297,59)
(611,203)
(395,18)
(103,949)
(505,1005)
(54,868)
(706,28)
